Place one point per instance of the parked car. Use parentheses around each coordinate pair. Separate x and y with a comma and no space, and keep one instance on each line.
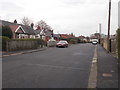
(62,44)
(94,42)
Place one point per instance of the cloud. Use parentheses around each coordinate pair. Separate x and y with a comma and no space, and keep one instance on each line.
(10,7)
(79,16)
(73,2)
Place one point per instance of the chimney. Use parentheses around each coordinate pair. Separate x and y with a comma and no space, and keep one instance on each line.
(32,25)
(38,28)
(15,21)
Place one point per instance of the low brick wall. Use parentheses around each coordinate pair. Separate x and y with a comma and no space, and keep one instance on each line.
(14,45)
(112,45)
(105,44)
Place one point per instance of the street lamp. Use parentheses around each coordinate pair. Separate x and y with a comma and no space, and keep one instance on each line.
(99,33)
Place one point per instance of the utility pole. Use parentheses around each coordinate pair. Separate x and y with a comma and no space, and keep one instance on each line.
(119,14)
(109,15)
(100,33)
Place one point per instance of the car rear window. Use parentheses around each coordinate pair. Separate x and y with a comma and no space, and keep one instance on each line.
(62,42)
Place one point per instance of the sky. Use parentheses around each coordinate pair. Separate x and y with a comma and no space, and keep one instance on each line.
(81,17)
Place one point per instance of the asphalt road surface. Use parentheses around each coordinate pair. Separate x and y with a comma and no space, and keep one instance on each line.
(51,68)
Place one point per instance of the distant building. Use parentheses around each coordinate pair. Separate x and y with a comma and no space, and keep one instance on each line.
(119,14)
(82,38)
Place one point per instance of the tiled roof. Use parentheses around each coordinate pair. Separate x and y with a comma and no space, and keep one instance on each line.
(56,35)
(28,30)
(64,35)
(6,23)
(48,33)
(13,27)
(37,31)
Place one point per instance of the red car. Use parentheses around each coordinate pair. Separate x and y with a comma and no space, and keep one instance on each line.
(62,44)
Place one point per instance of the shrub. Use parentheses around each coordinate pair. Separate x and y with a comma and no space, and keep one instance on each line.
(64,39)
(118,43)
(78,40)
(73,41)
(7,32)
(3,40)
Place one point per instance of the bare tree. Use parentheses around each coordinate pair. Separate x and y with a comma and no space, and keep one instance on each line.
(41,24)
(26,21)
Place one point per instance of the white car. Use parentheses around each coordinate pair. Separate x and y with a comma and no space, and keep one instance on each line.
(94,42)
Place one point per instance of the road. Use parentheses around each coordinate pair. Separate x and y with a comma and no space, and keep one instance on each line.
(51,68)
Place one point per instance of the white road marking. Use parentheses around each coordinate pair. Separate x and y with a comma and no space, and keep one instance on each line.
(92,83)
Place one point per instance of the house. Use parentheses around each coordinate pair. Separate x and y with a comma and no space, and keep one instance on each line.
(83,38)
(95,36)
(66,36)
(45,33)
(56,37)
(19,30)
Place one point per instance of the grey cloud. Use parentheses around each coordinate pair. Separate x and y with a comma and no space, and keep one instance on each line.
(97,1)
(10,7)
(73,2)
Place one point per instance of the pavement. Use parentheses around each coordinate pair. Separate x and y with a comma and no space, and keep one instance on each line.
(107,70)
(12,53)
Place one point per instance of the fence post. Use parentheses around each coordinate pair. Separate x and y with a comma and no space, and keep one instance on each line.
(110,45)
(7,46)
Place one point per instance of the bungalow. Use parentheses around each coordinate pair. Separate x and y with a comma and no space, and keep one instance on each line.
(19,30)
(45,34)
(56,37)
(66,36)
(83,38)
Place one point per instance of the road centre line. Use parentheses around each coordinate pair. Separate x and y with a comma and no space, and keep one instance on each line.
(92,83)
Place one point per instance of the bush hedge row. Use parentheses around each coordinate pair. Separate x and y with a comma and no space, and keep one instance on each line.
(3,40)
(118,43)
(72,40)
(6,31)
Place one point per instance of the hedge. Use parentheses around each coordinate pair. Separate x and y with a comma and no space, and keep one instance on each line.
(3,40)
(72,40)
(118,44)
(6,31)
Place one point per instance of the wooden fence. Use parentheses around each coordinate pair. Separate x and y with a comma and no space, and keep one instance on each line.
(112,45)
(14,45)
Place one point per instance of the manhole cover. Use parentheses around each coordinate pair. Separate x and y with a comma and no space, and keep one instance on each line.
(106,75)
